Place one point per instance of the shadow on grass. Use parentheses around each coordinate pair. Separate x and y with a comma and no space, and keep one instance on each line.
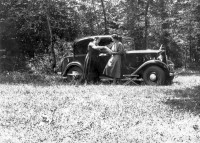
(39,79)
(187,99)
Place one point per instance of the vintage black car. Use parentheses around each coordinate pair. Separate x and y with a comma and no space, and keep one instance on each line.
(150,67)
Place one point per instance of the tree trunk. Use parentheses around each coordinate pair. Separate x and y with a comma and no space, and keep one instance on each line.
(105,20)
(51,46)
(165,25)
(190,46)
(146,25)
(185,62)
(131,17)
(97,22)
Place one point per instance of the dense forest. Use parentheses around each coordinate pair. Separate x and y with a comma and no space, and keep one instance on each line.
(41,30)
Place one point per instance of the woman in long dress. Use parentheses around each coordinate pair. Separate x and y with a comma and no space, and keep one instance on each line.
(113,67)
(91,65)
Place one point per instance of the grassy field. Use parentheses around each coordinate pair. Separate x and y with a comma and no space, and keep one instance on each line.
(53,112)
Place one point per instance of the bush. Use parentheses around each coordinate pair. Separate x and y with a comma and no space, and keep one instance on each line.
(13,63)
(41,64)
(194,66)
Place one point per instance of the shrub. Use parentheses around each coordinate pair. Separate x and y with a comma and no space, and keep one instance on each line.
(13,63)
(40,64)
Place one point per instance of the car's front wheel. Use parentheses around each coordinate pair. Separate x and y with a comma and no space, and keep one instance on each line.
(154,75)
(74,75)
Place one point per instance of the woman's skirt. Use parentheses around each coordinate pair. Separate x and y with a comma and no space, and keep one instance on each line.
(113,67)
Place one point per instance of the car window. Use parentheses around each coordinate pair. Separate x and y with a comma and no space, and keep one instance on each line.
(105,41)
(128,45)
(81,47)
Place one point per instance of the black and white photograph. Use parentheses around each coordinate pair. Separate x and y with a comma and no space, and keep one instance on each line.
(99,71)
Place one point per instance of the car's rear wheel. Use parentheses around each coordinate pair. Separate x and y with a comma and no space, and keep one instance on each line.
(154,75)
(74,75)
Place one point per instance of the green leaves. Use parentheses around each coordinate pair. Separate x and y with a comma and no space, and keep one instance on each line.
(25,22)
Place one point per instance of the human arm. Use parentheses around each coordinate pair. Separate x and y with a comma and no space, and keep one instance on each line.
(110,45)
(103,49)
(107,50)
(95,46)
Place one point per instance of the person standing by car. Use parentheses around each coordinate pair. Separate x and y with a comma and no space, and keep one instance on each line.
(91,64)
(113,67)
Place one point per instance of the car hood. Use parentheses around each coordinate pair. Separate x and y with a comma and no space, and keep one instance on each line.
(143,51)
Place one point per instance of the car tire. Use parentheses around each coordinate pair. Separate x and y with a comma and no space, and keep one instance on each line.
(154,75)
(74,75)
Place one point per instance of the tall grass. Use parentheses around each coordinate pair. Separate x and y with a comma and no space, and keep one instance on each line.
(57,112)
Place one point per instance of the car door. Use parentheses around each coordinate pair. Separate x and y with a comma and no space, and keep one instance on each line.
(80,50)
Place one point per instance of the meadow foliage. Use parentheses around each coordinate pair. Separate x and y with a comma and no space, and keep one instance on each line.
(51,111)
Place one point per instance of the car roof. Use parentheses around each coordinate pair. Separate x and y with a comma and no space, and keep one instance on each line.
(90,37)
(101,36)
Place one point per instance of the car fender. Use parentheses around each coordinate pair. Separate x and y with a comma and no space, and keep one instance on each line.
(149,63)
(75,63)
